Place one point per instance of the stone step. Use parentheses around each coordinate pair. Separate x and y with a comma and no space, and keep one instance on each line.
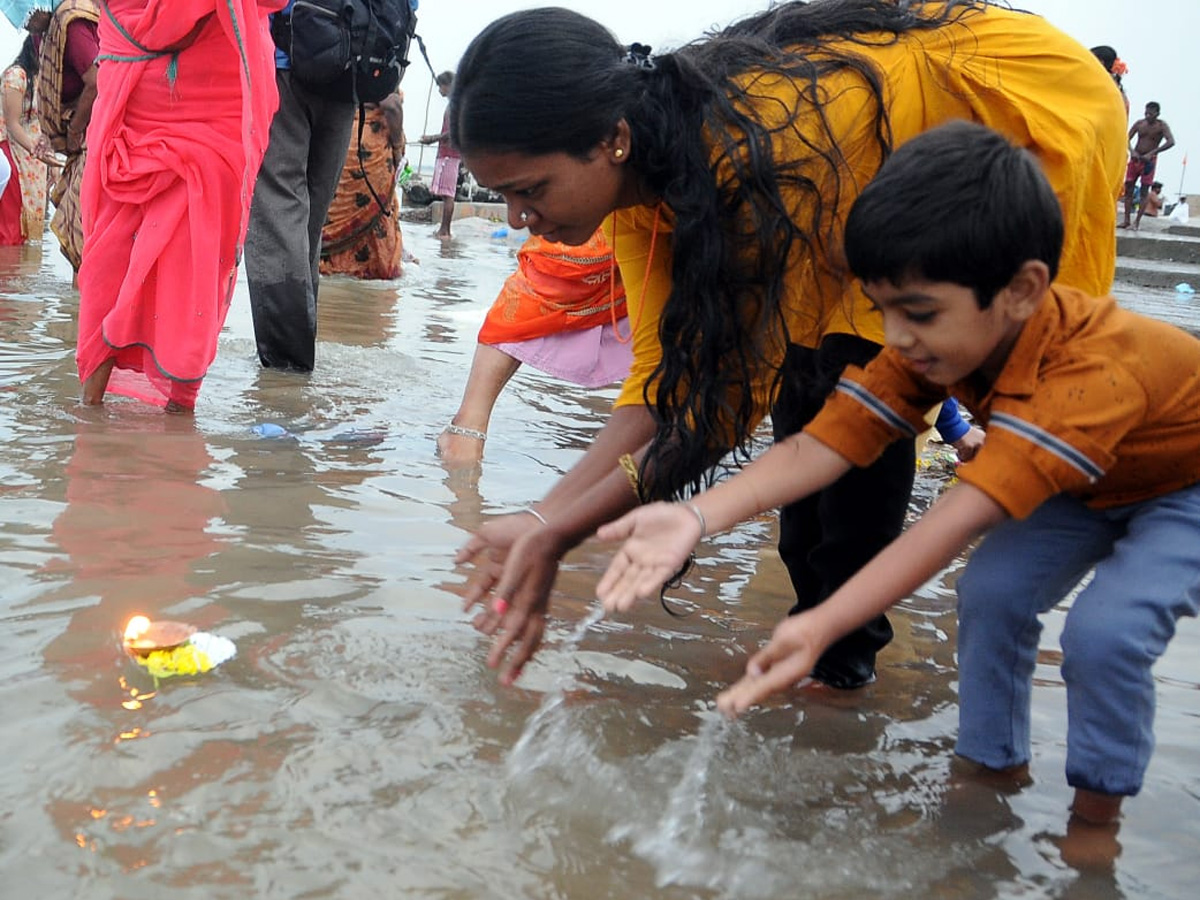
(1184,230)
(1160,245)
(1157,273)
(1167,305)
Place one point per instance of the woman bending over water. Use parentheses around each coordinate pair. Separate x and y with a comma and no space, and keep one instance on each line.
(722,174)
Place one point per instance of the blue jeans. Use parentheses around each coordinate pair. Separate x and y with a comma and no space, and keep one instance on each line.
(1147,575)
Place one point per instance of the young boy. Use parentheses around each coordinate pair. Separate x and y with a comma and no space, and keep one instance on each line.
(1092,460)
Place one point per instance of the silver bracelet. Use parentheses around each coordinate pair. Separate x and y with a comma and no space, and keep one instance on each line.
(699,515)
(537,515)
(465,432)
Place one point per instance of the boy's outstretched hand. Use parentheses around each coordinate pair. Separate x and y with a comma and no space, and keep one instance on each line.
(789,657)
(658,539)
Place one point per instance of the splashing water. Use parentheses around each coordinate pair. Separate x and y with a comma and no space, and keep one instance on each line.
(550,720)
(679,843)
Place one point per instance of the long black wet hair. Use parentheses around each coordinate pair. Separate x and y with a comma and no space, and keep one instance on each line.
(553,81)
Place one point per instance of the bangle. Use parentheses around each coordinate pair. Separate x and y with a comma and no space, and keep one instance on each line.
(466,432)
(631,472)
(537,515)
(699,515)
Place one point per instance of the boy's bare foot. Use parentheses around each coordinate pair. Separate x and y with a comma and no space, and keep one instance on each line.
(1122,224)
(1008,780)
(442,235)
(1089,847)
(1096,808)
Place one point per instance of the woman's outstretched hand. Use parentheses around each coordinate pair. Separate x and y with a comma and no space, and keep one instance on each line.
(487,551)
(658,540)
(516,563)
(787,659)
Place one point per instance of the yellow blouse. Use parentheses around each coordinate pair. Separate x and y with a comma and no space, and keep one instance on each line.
(1011,71)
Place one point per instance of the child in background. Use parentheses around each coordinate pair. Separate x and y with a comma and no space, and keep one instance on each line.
(1092,460)
(445,170)
(953,429)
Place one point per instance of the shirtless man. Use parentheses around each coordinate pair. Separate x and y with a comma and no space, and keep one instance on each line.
(1153,137)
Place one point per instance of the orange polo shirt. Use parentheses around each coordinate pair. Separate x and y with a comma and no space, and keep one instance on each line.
(1012,71)
(1094,401)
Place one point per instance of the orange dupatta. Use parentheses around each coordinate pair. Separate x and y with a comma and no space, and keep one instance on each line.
(556,288)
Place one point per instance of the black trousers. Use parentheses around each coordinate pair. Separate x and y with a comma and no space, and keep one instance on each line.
(826,538)
(305,154)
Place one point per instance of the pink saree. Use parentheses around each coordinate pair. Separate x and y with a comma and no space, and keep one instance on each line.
(174,146)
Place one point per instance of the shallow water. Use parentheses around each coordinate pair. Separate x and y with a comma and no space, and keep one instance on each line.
(358,745)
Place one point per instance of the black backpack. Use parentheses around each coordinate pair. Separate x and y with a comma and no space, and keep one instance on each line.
(347,49)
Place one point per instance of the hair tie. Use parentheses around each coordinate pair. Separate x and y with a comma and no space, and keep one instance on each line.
(639,55)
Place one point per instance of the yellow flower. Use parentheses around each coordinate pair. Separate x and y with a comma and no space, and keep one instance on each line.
(186,659)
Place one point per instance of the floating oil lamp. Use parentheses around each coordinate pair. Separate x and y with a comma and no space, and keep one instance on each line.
(144,636)
(165,648)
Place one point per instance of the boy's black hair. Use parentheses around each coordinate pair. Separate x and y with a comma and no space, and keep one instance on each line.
(958,203)
(1153,104)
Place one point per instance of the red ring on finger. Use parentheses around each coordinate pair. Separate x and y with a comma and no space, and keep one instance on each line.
(499,606)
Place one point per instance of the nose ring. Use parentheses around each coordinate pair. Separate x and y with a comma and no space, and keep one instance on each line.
(524,217)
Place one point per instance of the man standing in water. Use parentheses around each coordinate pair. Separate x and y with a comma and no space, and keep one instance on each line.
(1153,137)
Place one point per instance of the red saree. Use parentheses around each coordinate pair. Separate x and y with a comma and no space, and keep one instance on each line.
(174,147)
(10,203)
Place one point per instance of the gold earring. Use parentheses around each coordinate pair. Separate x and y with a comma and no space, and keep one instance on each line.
(618,153)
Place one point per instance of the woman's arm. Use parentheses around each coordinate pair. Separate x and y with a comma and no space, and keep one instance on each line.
(393,115)
(11,104)
(659,537)
(77,128)
(517,556)
(490,371)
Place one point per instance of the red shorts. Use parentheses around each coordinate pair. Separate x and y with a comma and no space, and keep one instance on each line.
(1143,168)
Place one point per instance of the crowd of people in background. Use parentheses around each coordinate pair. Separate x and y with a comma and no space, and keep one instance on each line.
(343,202)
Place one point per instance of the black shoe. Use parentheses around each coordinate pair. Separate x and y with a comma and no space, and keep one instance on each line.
(842,681)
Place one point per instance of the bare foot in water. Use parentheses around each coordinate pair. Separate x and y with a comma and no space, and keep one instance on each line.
(1004,781)
(1089,847)
(1096,808)
(96,384)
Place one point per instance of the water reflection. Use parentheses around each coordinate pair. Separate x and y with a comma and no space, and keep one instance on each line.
(358,744)
(134,528)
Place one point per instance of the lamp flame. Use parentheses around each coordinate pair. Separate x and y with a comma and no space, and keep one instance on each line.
(137,627)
